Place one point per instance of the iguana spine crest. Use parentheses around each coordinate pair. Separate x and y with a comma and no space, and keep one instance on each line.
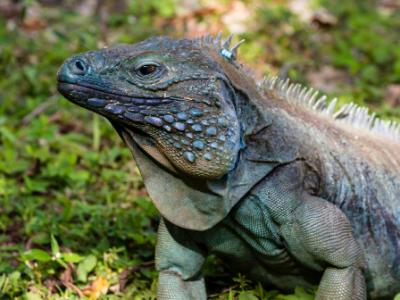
(352,114)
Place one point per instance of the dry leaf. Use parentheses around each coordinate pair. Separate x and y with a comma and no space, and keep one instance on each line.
(323,18)
(66,276)
(392,95)
(301,8)
(327,78)
(97,288)
(237,18)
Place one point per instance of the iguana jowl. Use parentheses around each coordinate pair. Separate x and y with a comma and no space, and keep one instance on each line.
(266,176)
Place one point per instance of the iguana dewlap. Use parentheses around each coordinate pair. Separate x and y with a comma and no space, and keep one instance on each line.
(266,176)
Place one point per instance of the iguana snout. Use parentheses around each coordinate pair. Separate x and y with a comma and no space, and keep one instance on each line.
(170,91)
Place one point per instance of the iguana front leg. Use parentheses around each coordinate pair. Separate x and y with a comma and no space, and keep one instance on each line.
(320,235)
(316,232)
(179,261)
(172,286)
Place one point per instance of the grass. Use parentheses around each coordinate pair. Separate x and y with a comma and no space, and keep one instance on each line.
(75,219)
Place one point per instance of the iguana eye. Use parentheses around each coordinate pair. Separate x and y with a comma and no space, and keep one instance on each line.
(147,69)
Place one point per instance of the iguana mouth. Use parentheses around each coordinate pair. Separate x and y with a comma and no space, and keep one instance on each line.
(94,97)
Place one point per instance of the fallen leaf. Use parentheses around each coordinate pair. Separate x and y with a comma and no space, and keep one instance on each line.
(327,78)
(324,19)
(97,288)
(301,8)
(66,276)
(10,9)
(51,285)
(392,95)
(33,19)
(389,7)
(33,24)
(237,18)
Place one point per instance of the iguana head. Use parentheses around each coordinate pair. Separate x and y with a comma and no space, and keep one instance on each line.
(173,92)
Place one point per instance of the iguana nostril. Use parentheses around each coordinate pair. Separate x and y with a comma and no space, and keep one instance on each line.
(79,67)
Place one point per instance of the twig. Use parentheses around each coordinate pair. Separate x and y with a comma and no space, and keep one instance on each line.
(224,290)
(37,111)
(123,277)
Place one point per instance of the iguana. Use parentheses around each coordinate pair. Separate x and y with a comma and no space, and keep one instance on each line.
(270,177)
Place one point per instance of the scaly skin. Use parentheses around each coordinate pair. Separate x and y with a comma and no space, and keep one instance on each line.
(280,192)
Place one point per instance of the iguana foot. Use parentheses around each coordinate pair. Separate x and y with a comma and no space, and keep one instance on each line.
(342,284)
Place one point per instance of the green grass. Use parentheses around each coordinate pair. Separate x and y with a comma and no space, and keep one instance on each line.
(74,214)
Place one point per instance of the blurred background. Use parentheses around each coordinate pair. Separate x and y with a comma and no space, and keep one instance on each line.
(75,220)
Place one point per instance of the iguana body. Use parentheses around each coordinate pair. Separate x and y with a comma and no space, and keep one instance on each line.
(285,193)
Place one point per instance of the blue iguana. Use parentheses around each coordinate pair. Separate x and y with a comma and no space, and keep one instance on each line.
(268,176)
